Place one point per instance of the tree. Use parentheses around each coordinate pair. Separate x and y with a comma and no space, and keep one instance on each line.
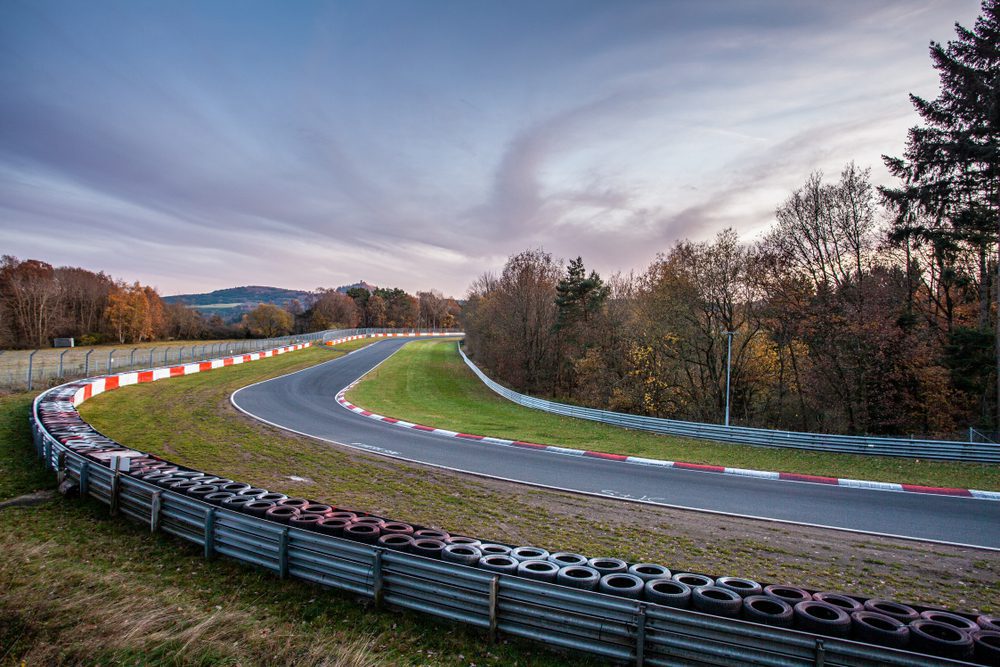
(268,321)
(375,311)
(29,295)
(134,313)
(950,169)
(578,295)
(333,310)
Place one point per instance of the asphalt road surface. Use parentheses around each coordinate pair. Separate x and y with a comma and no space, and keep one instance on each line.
(305,402)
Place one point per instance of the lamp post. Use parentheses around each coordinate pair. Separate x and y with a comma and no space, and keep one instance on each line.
(729,367)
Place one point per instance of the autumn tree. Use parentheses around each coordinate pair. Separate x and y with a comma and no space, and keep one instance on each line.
(268,321)
(29,300)
(333,310)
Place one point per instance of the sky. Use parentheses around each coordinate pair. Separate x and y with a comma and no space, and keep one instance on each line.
(201,145)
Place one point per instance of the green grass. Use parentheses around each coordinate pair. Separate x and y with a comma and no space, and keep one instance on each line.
(79,587)
(428,383)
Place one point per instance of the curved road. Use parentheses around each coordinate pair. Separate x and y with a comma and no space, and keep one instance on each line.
(305,402)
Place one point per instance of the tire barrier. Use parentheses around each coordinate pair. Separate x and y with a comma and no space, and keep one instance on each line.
(948,450)
(641,612)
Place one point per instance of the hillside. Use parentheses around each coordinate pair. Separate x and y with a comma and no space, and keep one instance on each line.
(232,302)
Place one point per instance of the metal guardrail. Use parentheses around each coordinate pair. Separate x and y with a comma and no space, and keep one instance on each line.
(616,628)
(949,450)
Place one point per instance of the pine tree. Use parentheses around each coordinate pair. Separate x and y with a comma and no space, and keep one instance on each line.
(950,169)
(579,295)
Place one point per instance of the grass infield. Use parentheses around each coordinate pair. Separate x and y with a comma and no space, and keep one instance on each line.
(428,383)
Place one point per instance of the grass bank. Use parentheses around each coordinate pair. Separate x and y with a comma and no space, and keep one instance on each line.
(82,588)
(427,382)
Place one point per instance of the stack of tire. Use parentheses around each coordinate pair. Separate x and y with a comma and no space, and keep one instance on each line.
(882,622)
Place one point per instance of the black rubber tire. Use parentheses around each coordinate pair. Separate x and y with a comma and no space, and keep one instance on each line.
(463,554)
(155,477)
(940,639)
(789,594)
(822,618)
(900,612)
(396,541)
(373,520)
(396,527)
(218,497)
(991,623)
(202,490)
(767,610)
(427,546)
(340,514)
(188,474)
(568,559)
(845,602)
(297,503)
(692,580)
(579,576)
(668,592)
(236,502)
(462,539)
(948,618)
(361,532)
(432,534)
(622,584)
(306,521)
(252,492)
(649,571)
(272,497)
(875,628)
(257,507)
(494,549)
(718,601)
(235,487)
(987,647)
(183,486)
(528,553)
(332,526)
(539,570)
(745,587)
(608,565)
(316,508)
(281,513)
(498,563)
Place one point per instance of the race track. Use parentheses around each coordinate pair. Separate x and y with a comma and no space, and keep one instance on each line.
(305,402)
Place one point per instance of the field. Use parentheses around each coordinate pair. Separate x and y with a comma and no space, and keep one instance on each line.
(428,383)
(79,587)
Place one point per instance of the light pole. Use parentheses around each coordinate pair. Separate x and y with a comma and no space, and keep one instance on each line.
(729,367)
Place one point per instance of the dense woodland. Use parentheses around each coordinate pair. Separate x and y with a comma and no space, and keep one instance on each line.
(860,311)
(39,302)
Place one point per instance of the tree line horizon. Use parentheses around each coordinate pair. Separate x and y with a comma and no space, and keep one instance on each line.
(39,302)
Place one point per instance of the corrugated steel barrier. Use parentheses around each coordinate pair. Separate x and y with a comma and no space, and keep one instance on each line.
(950,450)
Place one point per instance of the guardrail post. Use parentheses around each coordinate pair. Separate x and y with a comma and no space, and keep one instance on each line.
(47,453)
(115,481)
(155,505)
(31,366)
(640,636)
(377,582)
(820,653)
(283,554)
(494,594)
(210,533)
(85,479)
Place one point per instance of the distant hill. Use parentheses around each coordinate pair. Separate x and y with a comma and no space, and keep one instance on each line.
(368,286)
(231,303)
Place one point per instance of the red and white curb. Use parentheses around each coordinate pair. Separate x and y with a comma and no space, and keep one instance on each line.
(638,460)
(99,385)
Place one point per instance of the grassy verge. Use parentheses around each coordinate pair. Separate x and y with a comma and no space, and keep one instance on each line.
(428,383)
(80,588)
